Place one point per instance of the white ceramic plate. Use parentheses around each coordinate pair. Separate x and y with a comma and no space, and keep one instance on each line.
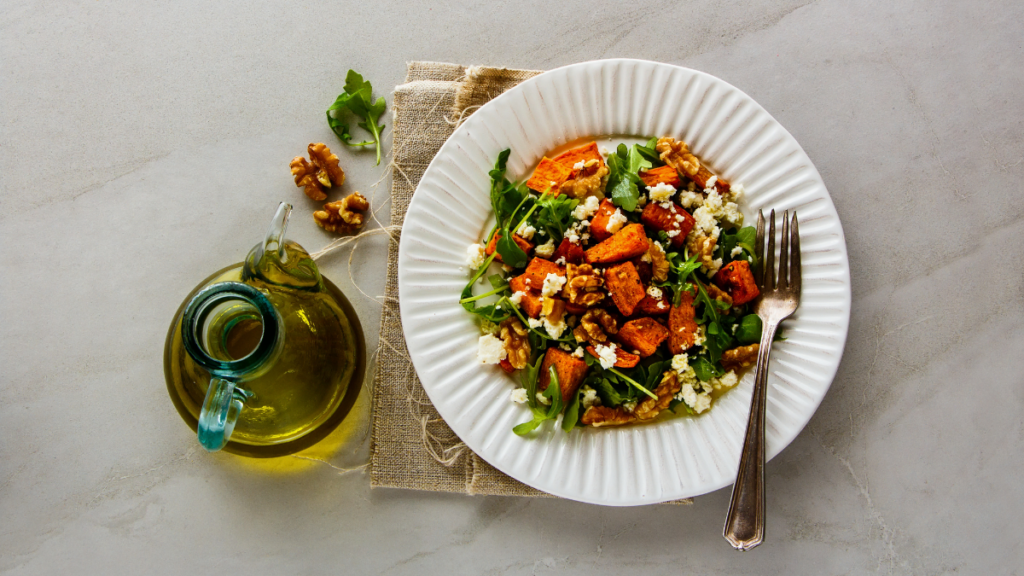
(739,140)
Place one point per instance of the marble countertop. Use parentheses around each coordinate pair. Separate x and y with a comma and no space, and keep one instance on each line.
(144,146)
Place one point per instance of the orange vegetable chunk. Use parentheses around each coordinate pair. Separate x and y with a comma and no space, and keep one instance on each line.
(624,285)
(672,219)
(737,279)
(599,223)
(539,269)
(626,243)
(623,359)
(570,369)
(523,244)
(661,175)
(682,326)
(643,335)
(549,174)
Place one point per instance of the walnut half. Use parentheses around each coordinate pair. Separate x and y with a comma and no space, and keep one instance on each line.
(583,287)
(344,216)
(595,326)
(739,358)
(319,172)
(517,345)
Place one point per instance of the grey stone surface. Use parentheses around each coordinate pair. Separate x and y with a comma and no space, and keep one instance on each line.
(144,145)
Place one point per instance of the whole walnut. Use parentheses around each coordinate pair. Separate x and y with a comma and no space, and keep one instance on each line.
(343,216)
(319,172)
(595,327)
(583,285)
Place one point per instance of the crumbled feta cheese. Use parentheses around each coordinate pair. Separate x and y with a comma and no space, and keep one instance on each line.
(579,165)
(517,297)
(554,329)
(674,233)
(572,236)
(661,305)
(552,284)
(604,151)
(734,194)
(526,231)
(687,394)
(654,292)
(701,338)
(476,255)
(716,265)
(629,406)
(560,261)
(661,192)
(705,219)
(616,221)
(731,214)
(546,249)
(543,399)
(680,363)
(703,402)
(518,396)
(606,355)
(711,182)
(587,208)
(728,380)
(690,199)
(584,224)
(488,327)
(490,350)
(589,398)
(665,205)
(534,323)
(646,257)
(578,352)
(585,237)
(737,251)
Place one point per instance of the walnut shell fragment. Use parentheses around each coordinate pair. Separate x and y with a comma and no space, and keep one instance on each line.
(319,172)
(344,216)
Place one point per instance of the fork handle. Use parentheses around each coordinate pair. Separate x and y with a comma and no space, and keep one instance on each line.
(744,525)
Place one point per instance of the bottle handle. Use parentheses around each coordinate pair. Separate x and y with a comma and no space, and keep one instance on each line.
(223,404)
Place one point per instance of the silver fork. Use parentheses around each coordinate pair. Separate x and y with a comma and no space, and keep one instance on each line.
(744,525)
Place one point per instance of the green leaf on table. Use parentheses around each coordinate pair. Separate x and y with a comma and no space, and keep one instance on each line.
(358,101)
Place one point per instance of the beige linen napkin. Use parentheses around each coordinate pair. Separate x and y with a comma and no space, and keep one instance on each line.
(411,446)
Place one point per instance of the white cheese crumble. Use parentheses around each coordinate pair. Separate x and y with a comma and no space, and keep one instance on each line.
(661,192)
(654,292)
(589,398)
(490,350)
(629,406)
(579,165)
(680,363)
(587,208)
(526,231)
(737,251)
(517,297)
(552,284)
(690,199)
(534,323)
(728,380)
(554,329)
(476,255)
(674,233)
(606,355)
(711,182)
(543,399)
(616,221)
(518,396)
(578,352)
(546,249)
(560,261)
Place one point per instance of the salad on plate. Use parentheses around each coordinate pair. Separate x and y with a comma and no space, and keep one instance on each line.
(616,284)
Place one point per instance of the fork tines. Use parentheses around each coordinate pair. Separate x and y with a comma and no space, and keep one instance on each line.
(789,274)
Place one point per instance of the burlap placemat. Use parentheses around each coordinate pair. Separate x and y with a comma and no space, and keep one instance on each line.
(411,446)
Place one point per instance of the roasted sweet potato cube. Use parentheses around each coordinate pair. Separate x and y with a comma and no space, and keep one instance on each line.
(507,366)
(625,287)
(549,174)
(599,223)
(703,175)
(643,335)
(654,306)
(530,302)
(644,269)
(539,269)
(626,243)
(570,369)
(623,359)
(661,175)
(682,326)
(584,153)
(524,244)
(675,221)
(572,253)
(737,279)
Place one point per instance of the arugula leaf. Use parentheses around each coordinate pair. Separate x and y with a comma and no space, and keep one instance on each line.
(572,412)
(490,312)
(358,99)
(554,215)
(745,238)
(529,379)
(649,152)
(703,368)
(543,413)
(511,253)
(607,392)
(749,330)
(623,180)
(718,340)
(679,275)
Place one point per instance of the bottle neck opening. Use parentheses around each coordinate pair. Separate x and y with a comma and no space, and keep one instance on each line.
(231,329)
